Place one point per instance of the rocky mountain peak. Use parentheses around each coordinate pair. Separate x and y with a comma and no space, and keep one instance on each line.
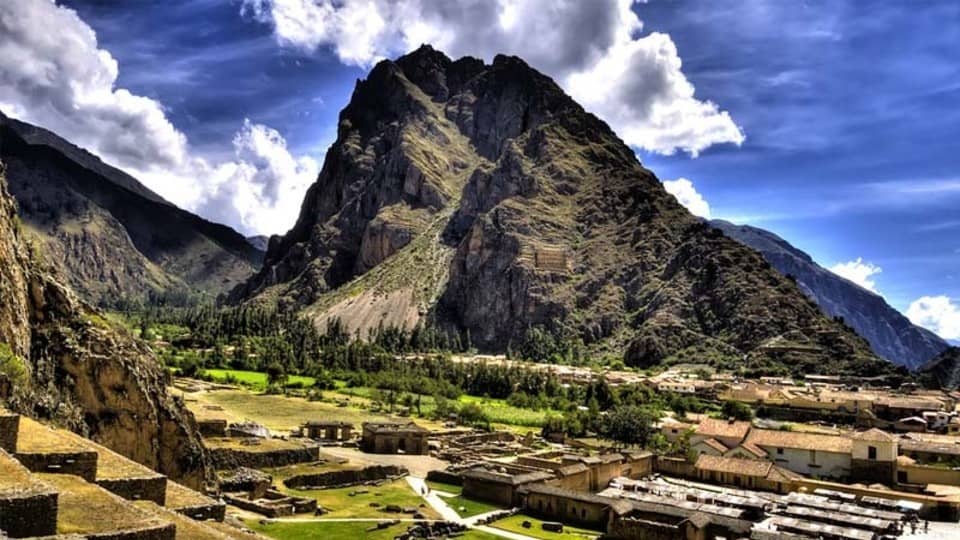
(482,199)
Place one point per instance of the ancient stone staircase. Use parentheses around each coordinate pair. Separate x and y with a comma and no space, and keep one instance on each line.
(56,484)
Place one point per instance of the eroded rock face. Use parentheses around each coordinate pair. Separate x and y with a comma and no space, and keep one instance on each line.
(85,374)
(500,205)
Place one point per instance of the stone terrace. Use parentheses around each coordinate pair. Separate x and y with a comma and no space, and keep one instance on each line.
(28,507)
(122,476)
(91,511)
(42,449)
(193,504)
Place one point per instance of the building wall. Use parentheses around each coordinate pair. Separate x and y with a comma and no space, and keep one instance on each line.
(567,510)
(886,451)
(701,448)
(819,463)
(577,482)
(492,492)
(922,474)
(9,428)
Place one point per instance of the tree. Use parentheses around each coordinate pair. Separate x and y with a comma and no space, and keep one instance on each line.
(276,374)
(737,410)
(473,414)
(628,424)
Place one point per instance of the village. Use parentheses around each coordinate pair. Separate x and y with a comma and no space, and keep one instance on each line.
(822,459)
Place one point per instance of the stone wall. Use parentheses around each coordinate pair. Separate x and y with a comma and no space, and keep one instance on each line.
(212,427)
(636,529)
(167,531)
(28,515)
(674,467)
(233,458)
(215,511)
(332,479)
(82,464)
(445,477)
(9,427)
(151,488)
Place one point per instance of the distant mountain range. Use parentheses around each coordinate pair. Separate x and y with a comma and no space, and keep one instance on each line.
(891,335)
(110,237)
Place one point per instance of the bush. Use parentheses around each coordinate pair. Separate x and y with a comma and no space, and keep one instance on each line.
(12,367)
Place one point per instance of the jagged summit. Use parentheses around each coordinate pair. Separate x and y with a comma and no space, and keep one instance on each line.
(481,198)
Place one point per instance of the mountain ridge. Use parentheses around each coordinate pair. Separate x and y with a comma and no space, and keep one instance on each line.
(889,332)
(98,225)
(482,199)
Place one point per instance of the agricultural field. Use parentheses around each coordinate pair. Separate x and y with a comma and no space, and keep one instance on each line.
(284,413)
(253,379)
(515,524)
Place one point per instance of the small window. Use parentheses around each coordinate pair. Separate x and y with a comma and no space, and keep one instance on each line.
(780,451)
(871,452)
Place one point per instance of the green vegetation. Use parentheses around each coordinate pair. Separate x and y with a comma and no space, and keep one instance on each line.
(341,504)
(315,529)
(446,488)
(12,367)
(469,507)
(515,524)
(254,379)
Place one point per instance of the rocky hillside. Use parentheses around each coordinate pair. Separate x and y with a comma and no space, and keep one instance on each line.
(82,373)
(943,371)
(891,335)
(107,235)
(483,199)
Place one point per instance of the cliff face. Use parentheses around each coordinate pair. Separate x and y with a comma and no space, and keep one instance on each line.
(109,237)
(891,335)
(482,198)
(83,373)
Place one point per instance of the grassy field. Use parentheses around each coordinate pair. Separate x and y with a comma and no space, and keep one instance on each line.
(358,530)
(470,507)
(515,524)
(253,379)
(446,488)
(340,504)
(499,411)
(283,413)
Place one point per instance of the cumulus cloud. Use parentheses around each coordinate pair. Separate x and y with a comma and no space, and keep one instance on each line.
(264,187)
(938,314)
(688,196)
(63,81)
(592,49)
(860,272)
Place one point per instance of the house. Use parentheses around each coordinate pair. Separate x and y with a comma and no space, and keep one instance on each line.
(811,454)
(394,438)
(557,504)
(501,486)
(674,430)
(873,457)
(710,447)
(744,473)
(729,433)
(328,430)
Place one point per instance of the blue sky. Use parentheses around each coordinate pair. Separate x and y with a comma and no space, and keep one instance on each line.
(831,123)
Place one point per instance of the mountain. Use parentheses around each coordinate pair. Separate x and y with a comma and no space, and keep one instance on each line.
(110,237)
(891,335)
(943,371)
(63,361)
(482,199)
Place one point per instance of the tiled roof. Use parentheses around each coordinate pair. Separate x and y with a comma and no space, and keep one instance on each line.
(766,438)
(712,427)
(747,467)
(753,450)
(874,435)
(715,444)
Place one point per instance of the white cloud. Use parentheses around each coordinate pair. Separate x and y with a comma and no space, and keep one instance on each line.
(688,196)
(264,187)
(938,314)
(858,271)
(63,81)
(591,48)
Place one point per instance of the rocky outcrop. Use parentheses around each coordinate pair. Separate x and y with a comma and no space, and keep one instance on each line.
(501,207)
(107,236)
(85,374)
(891,335)
(943,371)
